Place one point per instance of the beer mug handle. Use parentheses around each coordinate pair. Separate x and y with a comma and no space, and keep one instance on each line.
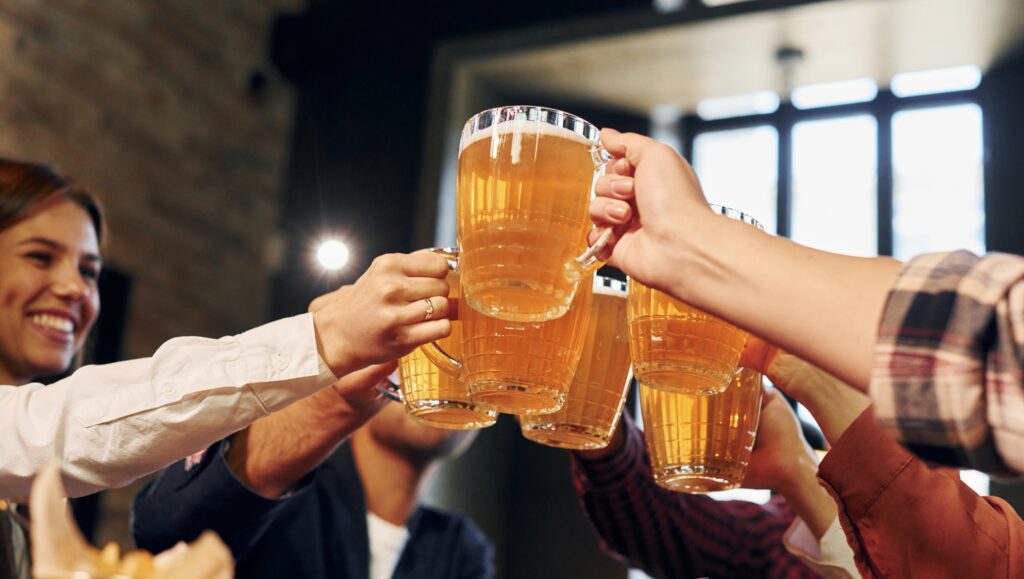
(588,261)
(442,360)
(389,389)
(432,351)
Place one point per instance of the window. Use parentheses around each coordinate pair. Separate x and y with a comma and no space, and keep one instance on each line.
(938,199)
(835,191)
(738,168)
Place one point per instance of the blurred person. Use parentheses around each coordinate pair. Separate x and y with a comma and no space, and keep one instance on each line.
(936,341)
(902,518)
(669,534)
(287,508)
(111,424)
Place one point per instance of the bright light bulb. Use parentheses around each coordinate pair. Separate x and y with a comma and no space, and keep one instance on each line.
(332,254)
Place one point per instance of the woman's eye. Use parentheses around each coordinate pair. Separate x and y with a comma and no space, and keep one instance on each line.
(40,257)
(89,273)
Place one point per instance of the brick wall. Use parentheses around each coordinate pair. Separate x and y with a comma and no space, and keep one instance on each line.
(149,104)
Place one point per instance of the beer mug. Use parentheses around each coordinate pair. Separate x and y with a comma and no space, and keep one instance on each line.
(517,367)
(680,348)
(594,403)
(698,443)
(432,396)
(526,176)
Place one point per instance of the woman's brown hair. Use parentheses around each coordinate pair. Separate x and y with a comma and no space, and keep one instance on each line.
(26,187)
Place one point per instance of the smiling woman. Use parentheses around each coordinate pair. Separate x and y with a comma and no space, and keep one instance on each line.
(50,235)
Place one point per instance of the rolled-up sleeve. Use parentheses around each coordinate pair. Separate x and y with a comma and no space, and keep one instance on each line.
(111,424)
(947,380)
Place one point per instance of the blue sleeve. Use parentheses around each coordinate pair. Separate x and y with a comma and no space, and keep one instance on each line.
(197,494)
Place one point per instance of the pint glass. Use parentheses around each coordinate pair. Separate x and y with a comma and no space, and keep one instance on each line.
(678,348)
(702,443)
(525,179)
(595,399)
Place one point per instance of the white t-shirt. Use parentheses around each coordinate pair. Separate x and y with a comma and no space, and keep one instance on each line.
(111,424)
(386,544)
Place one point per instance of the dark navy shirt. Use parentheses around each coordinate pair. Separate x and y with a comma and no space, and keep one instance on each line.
(318,531)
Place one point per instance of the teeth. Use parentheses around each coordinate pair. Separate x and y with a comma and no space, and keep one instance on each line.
(53,322)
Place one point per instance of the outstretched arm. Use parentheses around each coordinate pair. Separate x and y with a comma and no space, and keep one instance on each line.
(823,306)
(670,534)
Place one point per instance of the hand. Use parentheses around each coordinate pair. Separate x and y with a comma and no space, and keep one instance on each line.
(383,316)
(357,392)
(652,198)
(781,459)
(758,354)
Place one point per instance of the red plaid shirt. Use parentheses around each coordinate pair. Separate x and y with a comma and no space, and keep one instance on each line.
(948,364)
(669,534)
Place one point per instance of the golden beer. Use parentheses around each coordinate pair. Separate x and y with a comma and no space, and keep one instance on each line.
(679,348)
(702,443)
(520,367)
(524,183)
(595,399)
(435,398)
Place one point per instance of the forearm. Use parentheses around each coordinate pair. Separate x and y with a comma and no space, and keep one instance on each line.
(833,404)
(809,500)
(273,454)
(821,306)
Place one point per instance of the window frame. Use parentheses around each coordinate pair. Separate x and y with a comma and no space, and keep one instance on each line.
(884,106)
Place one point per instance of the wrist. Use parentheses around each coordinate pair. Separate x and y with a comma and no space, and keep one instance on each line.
(801,479)
(698,262)
(336,352)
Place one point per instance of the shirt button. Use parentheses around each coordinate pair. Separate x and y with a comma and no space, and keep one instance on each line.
(167,389)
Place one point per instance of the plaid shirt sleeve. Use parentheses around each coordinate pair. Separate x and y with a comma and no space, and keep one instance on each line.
(669,534)
(947,379)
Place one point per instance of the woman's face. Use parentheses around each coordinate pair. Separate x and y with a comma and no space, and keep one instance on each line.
(49,264)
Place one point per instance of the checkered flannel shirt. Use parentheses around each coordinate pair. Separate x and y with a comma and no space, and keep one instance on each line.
(947,380)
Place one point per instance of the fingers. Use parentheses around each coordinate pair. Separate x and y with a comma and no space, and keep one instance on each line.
(418,288)
(416,335)
(630,146)
(424,310)
(364,381)
(424,263)
(614,186)
(604,211)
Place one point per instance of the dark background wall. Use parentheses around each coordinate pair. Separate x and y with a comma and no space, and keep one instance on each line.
(362,75)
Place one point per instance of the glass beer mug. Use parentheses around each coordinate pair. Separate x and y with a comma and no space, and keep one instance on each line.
(434,397)
(677,347)
(598,392)
(525,179)
(699,443)
(517,367)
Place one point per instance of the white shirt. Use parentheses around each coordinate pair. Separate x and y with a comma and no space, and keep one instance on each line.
(112,424)
(831,556)
(386,544)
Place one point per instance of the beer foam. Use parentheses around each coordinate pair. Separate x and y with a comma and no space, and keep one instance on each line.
(517,126)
